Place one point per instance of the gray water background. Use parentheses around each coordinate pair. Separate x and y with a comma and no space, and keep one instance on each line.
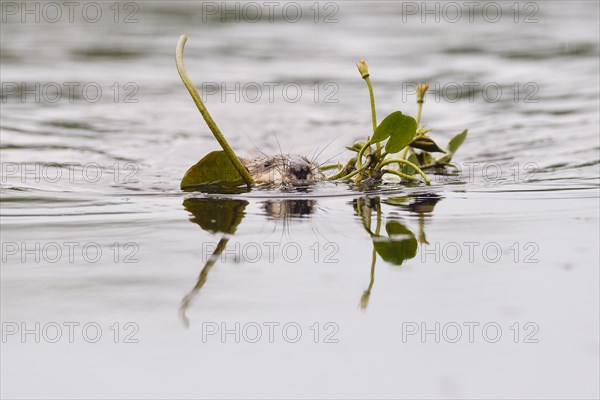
(552,206)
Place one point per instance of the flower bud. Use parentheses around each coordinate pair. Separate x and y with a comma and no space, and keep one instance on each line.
(364,300)
(421,89)
(363,68)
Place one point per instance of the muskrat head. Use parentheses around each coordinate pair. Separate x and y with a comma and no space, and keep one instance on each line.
(292,170)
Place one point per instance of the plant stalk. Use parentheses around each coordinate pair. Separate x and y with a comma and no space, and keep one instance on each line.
(400,174)
(331,166)
(373,112)
(206,115)
(405,153)
(355,172)
(419,111)
(405,162)
(362,151)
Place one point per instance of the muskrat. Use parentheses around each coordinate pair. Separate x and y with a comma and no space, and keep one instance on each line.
(283,169)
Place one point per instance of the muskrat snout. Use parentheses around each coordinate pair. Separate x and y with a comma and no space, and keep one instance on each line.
(300,170)
(287,169)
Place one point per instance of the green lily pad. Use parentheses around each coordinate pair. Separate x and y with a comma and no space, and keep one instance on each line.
(399,128)
(214,169)
(400,245)
(427,144)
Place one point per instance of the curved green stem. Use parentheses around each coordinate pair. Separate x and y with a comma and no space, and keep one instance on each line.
(342,172)
(331,166)
(362,151)
(353,173)
(336,176)
(405,162)
(407,150)
(373,112)
(420,109)
(372,98)
(400,174)
(207,117)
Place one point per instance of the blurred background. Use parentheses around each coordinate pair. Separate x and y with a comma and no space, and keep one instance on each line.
(97,131)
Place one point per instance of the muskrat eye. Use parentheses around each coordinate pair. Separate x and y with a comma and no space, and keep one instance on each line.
(267,164)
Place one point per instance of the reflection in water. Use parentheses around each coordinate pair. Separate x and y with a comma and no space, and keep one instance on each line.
(224,216)
(215,216)
(420,204)
(289,211)
(284,209)
(400,243)
(393,242)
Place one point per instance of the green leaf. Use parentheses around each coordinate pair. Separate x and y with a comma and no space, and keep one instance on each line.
(457,141)
(409,170)
(214,169)
(399,128)
(400,245)
(453,146)
(425,159)
(427,144)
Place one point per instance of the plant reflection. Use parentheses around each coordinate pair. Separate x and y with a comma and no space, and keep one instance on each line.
(215,216)
(224,216)
(393,242)
(421,204)
(399,243)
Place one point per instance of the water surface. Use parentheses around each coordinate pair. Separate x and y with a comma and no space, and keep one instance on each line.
(512,239)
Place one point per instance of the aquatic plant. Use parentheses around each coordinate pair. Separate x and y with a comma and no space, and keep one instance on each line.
(399,146)
(218,163)
(395,134)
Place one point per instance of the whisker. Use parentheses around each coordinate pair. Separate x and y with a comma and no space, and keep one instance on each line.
(324,148)
(312,158)
(331,158)
(278,144)
(255,146)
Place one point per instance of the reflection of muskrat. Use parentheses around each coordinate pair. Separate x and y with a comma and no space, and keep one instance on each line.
(283,169)
(288,208)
